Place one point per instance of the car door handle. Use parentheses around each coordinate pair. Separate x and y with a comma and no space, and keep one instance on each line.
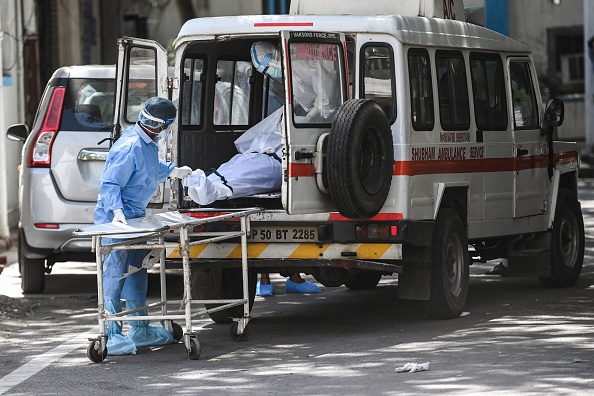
(520,152)
(98,154)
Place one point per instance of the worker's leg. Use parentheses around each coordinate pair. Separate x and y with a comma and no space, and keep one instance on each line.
(113,268)
(264,288)
(134,292)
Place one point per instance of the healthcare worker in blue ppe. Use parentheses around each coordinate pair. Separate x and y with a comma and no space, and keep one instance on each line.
(129,180)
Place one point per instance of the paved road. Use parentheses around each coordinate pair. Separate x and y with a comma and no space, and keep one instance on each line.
(516,337)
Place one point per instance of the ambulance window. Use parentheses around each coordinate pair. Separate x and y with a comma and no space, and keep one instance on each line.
(377,82)
(452,90)
(232,93)
(273,96)
(192,91)
(524,103)
(488,87)
(141,80)
(317,82)
(421,92)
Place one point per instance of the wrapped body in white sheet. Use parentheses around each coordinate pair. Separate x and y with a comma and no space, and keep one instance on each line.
(256,169)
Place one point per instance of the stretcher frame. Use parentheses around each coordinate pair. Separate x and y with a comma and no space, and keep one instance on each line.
(148,233)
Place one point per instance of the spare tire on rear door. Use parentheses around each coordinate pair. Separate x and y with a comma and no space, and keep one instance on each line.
(360,158)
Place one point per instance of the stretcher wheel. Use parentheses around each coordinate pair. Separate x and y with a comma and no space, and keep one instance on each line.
(93,352)
(241,336)
(178,332)
(195,349)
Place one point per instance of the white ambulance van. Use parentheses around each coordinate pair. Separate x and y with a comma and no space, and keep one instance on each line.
(430,136)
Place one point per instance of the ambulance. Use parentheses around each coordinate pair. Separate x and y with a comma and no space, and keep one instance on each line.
(431,147)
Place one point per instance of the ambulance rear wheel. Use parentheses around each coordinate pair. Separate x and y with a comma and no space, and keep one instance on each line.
(360,158)
(449,267)
(364,280)
(567,253)
(222,284)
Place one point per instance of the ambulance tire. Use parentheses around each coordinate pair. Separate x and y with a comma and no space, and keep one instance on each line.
(568,241)
(360,158)
(364,280)
(449,267)
(222,283)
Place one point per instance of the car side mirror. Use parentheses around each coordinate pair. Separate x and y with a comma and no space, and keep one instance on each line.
(18,132)
(554,113)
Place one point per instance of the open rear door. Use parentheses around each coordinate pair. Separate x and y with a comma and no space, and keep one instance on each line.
(141,74)
(315,77)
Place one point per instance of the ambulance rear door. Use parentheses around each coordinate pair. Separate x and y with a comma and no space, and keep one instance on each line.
(315,77)
(141,74)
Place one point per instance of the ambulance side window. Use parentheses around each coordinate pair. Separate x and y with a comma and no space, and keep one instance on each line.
(452,90)
(421,91)
(377,82)
(232,93)
(192,91)
(524,103)
(488,87)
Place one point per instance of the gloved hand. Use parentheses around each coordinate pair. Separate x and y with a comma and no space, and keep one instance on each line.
(118,217)
(180,173)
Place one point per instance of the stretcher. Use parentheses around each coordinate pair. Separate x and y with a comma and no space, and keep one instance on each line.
(149,233)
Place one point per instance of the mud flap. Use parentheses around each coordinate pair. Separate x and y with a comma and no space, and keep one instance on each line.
(414,283)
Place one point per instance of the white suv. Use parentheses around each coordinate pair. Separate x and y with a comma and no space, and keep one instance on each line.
(62,160)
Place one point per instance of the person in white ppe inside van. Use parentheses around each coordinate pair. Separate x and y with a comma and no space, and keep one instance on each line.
(257,166)
(128,181)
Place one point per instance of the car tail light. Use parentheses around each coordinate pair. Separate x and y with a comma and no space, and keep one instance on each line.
(48,226)
(372,231)
(40,151)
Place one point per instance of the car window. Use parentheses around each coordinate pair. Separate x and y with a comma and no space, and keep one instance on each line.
(421,92)
(377,82)
(488,86)
(525,110)
(88,105)
(452,90)
(233,91)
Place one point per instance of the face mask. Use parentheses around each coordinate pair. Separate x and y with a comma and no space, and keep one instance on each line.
(274,72)
(163,134)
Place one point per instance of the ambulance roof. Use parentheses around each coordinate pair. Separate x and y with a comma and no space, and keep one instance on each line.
(411,30)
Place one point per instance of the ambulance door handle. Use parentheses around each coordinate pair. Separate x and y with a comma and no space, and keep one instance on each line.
(520,152)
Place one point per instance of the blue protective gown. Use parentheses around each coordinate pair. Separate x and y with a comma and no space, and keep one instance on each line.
(129,180)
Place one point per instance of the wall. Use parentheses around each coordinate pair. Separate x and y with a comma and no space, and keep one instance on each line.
(530,19)
(11,105)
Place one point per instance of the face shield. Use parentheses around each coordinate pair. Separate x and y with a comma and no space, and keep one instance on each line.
(266,58)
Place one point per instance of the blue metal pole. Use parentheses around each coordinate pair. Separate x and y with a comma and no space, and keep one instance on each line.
(284,7)
(497,15)
(270,7)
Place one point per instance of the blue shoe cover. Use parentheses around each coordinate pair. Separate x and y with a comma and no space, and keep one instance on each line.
(150,336)
(264,290)
(305,287)
(117,344)
(141,333)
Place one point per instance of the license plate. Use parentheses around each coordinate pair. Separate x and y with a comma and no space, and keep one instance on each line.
(283,234)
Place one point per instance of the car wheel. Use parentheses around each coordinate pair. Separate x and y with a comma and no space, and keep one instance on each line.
(32,271)
(360,158)
(449,267)
(223,283)
(567,251)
